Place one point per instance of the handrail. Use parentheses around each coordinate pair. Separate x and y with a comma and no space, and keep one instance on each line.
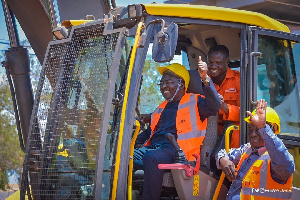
(137,129)
(132,58)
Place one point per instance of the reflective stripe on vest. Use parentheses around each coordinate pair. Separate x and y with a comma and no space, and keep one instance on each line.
(190,129)
(194,116)
(282,192)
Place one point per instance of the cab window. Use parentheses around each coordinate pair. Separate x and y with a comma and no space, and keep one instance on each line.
(277,81)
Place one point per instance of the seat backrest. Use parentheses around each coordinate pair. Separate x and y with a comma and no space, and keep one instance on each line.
(195,85)
(211,136)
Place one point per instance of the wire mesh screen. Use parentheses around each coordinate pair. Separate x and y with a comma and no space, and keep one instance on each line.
(65,129)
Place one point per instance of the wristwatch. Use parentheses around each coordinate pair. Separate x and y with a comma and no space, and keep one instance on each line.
(206,81)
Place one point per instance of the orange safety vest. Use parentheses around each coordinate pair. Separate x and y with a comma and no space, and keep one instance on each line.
(258,183)
(190,129)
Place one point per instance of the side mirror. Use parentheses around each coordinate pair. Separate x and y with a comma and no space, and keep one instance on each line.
(164,43)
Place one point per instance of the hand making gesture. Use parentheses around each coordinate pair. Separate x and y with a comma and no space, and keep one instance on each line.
(259,119)
(202,68)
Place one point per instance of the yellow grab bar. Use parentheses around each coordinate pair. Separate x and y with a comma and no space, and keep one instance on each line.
(136,132)
(227,134)
(132,58)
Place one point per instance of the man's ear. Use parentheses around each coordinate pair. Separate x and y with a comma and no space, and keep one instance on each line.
(228,61)
(182,85)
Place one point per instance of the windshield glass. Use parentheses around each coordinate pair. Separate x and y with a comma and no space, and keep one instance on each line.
(278,81)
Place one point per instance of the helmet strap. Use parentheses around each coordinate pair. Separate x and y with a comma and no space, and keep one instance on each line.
(272,126)
(178,86)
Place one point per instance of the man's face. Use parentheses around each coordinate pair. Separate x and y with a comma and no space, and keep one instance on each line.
(254,137)
(168,86)
(217,64)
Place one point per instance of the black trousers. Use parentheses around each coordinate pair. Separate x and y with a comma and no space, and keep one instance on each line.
(148,158)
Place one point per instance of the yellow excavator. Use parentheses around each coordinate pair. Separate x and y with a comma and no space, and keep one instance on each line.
(99,75)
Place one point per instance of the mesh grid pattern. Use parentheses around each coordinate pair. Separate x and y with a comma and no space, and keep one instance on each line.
(68,111)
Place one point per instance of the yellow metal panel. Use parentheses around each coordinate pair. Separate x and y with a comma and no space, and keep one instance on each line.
(16,196)
(69,23)
(296,176)
(216,13)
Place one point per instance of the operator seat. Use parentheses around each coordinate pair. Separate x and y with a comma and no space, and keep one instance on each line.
(211,136)
(212,142)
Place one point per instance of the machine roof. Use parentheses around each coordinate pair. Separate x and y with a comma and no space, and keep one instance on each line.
(216,13)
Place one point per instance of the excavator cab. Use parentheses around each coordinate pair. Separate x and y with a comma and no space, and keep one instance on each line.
(101,75)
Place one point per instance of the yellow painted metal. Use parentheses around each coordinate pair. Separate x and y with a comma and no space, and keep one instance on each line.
(69,23)
(136,132)
(216,13)
(63,153)
(132,58)
(16,196)
(227,134)
(196,185)
(295,151)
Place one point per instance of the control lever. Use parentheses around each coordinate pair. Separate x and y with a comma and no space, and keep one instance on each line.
(179,154)
(180,159)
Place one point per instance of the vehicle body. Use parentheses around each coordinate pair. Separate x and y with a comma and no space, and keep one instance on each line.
(91,84)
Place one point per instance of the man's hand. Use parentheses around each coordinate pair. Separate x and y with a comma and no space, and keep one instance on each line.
(259,119)
(146,118)
(202,68)
(224,106)
(228,168)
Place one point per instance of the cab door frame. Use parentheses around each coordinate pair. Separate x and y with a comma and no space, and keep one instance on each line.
(292,143)
(254,33)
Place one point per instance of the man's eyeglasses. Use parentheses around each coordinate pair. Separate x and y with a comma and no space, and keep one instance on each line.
(168,83)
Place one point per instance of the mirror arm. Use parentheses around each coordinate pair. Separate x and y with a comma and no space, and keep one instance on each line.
(156,21)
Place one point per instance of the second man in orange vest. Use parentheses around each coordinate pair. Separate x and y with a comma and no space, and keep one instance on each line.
(264,167)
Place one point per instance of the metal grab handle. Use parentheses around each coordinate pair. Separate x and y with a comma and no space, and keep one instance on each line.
(253,63)
(197,167)
(136,132)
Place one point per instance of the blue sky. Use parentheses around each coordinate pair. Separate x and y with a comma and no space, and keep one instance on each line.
(3,31)
(127,2)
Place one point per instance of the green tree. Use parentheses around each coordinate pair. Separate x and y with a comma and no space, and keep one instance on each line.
(11,156)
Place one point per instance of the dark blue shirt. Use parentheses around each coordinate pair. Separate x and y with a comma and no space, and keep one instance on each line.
(167,122)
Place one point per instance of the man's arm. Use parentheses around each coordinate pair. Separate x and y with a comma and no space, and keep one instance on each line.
(211,104)
(227,162)
(142,137)
(282,162)
(232,111)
